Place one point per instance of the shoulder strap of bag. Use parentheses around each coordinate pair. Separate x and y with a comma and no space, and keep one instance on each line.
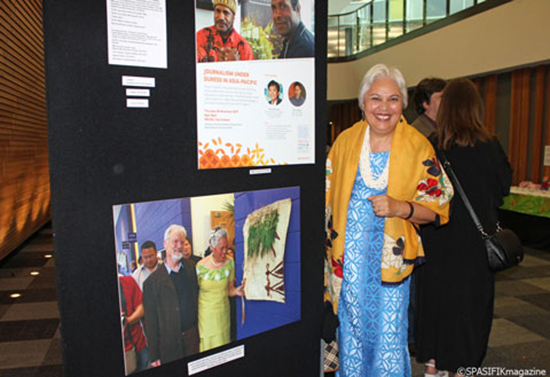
(448,168)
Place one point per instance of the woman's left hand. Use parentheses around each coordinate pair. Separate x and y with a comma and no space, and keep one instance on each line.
(239,291)
(386,206)
(236,291)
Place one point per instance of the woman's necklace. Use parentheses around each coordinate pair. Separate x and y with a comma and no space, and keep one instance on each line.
(216,264)
(364,166)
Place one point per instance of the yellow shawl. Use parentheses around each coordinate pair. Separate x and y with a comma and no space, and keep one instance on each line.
(414,176)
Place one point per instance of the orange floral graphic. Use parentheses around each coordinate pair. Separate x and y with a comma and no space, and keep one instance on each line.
(216,155)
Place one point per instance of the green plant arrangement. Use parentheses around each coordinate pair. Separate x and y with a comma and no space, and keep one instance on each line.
(265,42)
(262,235)
(229,207)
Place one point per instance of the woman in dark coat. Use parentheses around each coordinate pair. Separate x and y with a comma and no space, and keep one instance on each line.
(455,286)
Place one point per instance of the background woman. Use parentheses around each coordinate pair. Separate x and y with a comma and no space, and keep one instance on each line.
(382,177)
(456,287)
(216,276)
(188,251)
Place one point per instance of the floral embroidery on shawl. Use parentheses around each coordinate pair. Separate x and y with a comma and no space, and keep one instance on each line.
(434,189)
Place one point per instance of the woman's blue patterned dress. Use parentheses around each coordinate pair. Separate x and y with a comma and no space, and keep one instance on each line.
(373,317)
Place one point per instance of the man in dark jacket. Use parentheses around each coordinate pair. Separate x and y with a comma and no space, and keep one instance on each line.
(299,42)
(170,300)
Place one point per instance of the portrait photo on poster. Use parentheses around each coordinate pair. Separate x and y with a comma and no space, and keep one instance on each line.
(199,273)
(245,52)
(297,94)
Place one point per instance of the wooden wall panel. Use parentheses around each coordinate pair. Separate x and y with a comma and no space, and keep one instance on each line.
(342,116)
(537,124)
(546,170)
(490,99)
(24,176)
(519,124)
(523,132)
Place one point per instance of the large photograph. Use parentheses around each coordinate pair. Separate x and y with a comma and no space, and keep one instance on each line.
(255,63)
(196,274)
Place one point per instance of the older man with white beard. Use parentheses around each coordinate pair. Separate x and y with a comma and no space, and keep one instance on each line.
(170,297)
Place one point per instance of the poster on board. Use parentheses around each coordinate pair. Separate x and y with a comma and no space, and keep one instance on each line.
(255,83)
(182,268)
(136,33)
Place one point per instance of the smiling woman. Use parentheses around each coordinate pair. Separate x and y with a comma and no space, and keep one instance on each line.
(374,196)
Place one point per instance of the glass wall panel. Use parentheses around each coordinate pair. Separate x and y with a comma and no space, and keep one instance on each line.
(332,37)
(415,14)
(348,34)
(364,38)
(458,5)
(435,10)
(396,18)
(373,22)
(379,22)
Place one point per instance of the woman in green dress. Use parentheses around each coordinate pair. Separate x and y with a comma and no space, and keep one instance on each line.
(216,276)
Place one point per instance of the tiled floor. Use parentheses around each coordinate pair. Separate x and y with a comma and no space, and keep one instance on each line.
(30,343)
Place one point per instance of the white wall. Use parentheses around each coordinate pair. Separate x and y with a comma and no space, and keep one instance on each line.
(510,35)
(200,218)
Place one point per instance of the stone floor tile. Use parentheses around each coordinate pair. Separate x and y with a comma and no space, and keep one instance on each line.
(516,288)
(16,284)
(47,271)
(42,371)
(42,246)
(529,355)
(505,333)
(50,263)
(3,309)
(543,283)
(11,331)
(16,272)
(509,307)
(537,323)
(57,334)
(521,272)
(28,353)
(38,295)
(39,310)
(532,261)
(19,372)
(54,354)
(541,300)
(43,282)
(30,259)
(542,254)
(5,298)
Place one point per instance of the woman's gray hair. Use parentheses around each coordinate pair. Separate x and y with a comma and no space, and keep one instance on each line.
(381,71)
(174,228)
(215,236)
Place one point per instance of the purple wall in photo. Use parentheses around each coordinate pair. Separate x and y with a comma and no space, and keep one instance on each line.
(122,228)
(262,316)
(152,219)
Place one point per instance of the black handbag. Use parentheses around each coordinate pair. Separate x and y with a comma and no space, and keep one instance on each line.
(504,249)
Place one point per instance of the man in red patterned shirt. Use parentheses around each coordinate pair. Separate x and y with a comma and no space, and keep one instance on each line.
(221,42)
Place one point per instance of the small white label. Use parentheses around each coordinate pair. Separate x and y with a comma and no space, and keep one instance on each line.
(138,93)
(547,155)
(212,361)
(260,171)
(137,103)
(148,82)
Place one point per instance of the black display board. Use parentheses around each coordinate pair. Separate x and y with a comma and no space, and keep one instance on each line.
(103,153)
